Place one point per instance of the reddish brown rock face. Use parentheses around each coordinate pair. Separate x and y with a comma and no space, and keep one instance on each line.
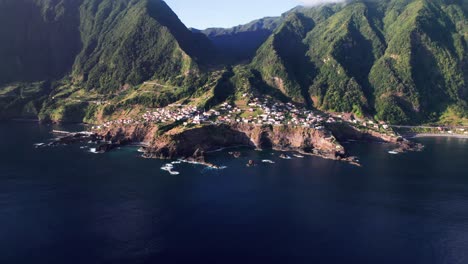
(344,132)
(133,133)
(194,143)
(191,142)
(302,139)
(187,143)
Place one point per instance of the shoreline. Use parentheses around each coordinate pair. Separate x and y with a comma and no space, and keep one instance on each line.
(426,135)
(227,148)
(324,144)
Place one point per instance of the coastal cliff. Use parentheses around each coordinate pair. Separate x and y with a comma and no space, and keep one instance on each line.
(290,138)
(193,143)
(344,132)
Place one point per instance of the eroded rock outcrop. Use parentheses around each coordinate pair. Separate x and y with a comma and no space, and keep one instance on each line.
(195,142)
(287,138)
(344,132)
(130,133)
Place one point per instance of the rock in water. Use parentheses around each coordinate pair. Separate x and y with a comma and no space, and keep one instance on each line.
(199,155)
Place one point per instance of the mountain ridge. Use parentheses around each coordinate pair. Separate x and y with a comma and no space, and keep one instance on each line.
(240,43)
(377,34)
(398,61)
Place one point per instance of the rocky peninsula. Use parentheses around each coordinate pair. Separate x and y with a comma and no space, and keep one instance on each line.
(193,144)
(184,131)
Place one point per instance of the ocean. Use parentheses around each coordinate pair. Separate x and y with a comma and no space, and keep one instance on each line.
(67,205)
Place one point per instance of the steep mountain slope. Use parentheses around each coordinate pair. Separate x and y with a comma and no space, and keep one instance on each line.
(403,60)
(108,43)
(281,59)
(131,41)
(240,43)
(40,39)
(103,45)
(424,69)
(344,47)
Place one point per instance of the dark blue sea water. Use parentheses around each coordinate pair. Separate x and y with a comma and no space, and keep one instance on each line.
(65,205)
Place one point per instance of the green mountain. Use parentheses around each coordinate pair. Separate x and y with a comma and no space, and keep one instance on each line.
(281,60)
(240,43)
(97,45)
(40,39)
(404,61)
(127,42)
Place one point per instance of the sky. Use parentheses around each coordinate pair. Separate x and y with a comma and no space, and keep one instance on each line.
(202,14)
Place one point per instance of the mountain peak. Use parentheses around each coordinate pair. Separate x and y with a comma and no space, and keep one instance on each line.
(399,61)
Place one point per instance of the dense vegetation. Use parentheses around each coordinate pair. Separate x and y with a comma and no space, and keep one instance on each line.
(103,46)
(239,44)
(403,61)
(127,42)
(39,39)
(282,61)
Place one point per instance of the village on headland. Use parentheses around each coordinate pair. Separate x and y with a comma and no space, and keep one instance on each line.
(260,111)
(247,111)
(253,110)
